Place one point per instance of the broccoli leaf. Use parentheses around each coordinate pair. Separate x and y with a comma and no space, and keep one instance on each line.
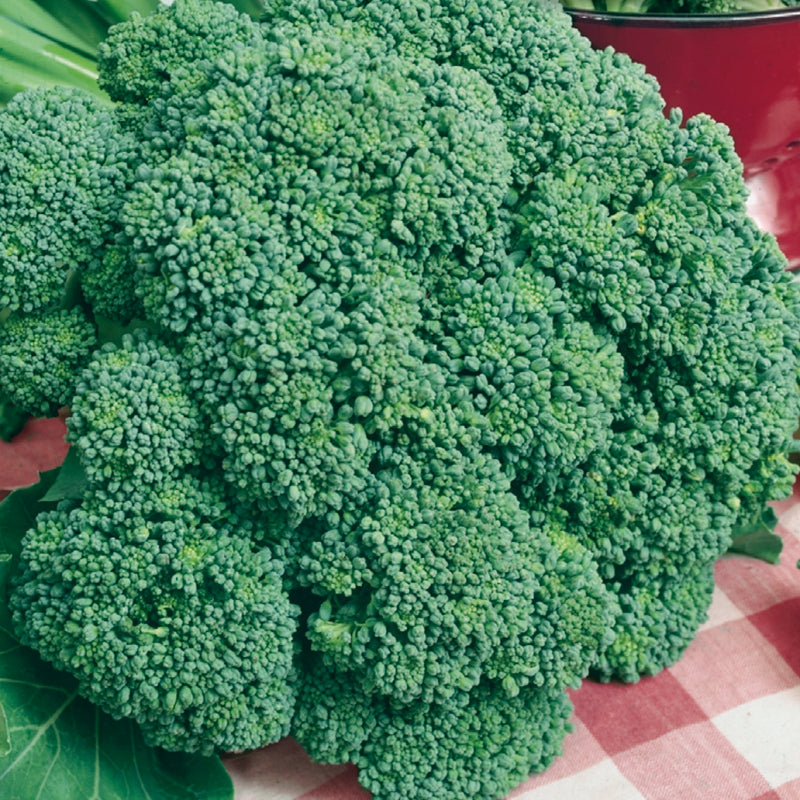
(758,539)
(5,739)
(70,483)
(53,743)
(12,419)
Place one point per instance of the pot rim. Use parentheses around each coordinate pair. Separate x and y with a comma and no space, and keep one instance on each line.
(647,20)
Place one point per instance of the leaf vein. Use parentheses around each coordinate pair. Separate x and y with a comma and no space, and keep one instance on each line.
(42,729)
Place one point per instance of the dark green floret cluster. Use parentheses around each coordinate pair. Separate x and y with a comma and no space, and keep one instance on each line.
(419,366)
(160,601)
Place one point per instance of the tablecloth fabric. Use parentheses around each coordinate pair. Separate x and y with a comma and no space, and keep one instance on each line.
(721,724)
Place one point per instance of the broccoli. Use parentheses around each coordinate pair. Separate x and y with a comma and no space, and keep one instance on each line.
(130,73)
(47,43)
(169,613)
(132,415)
(417,611)
(481,743)
(433,357)
(41,357)
(64,170)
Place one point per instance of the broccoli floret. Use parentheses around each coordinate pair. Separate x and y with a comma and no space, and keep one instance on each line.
(649,634)
(543,381)
(639,224)
(313,152)
(109,285)
(435,577)
(482,746)
(41,356)
(63,168)
(133,418)
(139,55)
(168,612)
(333,716)
(481,743)
(292,271)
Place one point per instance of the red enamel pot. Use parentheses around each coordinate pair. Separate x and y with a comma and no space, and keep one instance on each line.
(743,70)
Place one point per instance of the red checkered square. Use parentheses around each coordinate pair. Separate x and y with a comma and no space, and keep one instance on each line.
(766,732)
(780,626)
(603,781)
(789,791)
(788,512)
(785,504)
(689,761)
(620,717)
(705,671)
(722,610)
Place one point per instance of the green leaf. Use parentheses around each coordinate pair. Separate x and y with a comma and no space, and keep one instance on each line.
(70,483)
(61,746)
(5,739)
(78,16)
(758,539)
(12,419)
(54,743)
(762,544)
(114,11)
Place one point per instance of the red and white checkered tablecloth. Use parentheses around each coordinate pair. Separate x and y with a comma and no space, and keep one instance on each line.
(722,724)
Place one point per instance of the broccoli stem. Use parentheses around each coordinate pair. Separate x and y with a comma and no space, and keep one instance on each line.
(28,59)
(32,16)
(628,6)
(77,16)
(755,6)
(114,11)
(580,5)
(255,8)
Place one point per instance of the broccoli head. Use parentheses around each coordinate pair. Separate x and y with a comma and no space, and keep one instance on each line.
(480,743)
(450,363)
(435,577)
(132,415)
